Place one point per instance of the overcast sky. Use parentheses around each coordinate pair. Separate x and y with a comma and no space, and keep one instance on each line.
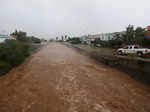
(50,18)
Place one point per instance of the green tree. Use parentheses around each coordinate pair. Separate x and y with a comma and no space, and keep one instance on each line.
(140,35)
(129,37)
(62,38)
(57,38)
(66,37)
(20,36)
(74,40)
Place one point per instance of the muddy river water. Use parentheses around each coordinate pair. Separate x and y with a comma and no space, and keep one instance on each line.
(59,79)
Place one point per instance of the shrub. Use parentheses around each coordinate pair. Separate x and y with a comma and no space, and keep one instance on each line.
(74,40)
(4,67)
(13,52)
(35,40)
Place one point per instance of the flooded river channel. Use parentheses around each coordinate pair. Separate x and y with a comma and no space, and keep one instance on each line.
(59,79)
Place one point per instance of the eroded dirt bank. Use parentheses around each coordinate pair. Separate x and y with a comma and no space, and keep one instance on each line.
(58,79)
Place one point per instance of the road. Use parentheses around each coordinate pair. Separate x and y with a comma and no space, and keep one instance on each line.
(59,79)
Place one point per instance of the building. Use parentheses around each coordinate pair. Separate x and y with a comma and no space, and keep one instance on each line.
(118,35)
(12,37)
(3,37)
(91,38)
(102,36)
(148,32)
(105,36)
(84,39)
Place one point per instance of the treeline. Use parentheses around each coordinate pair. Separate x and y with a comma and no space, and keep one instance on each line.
(135,36)
(14,52)
(132,36)
(22,37)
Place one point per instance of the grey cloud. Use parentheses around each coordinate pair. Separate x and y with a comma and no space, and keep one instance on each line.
(49,18)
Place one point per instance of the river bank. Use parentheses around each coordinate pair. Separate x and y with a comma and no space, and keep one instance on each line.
(5,68)
(137,68)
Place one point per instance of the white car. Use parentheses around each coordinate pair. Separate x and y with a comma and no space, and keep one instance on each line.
(133,49)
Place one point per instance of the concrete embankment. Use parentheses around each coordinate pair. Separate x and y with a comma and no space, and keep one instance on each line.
(138,68)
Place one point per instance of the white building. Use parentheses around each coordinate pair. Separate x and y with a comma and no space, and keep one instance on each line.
(3,38)
(102,36)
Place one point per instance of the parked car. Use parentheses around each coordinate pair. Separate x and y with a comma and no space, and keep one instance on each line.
(133,49)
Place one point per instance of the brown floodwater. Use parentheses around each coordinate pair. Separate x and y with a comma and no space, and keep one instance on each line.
(59,79)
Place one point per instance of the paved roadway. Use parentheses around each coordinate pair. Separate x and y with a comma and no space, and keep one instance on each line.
(59,79)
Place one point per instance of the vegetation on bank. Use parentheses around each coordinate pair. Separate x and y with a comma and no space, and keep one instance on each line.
(14,52)
(74,40)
